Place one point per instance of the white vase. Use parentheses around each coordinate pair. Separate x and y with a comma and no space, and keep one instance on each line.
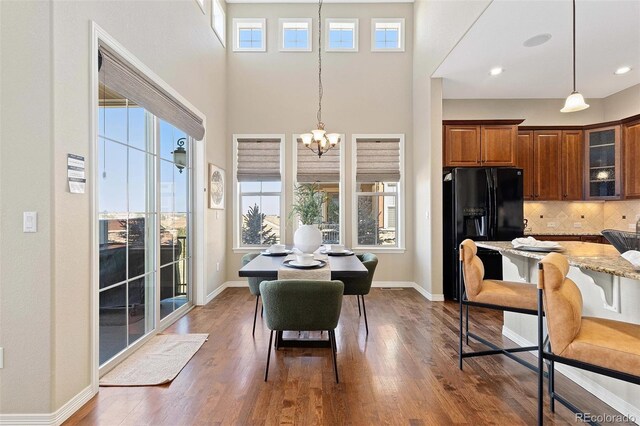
(307,238)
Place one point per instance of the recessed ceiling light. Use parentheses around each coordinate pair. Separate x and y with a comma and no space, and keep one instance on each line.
(496,71)
(622,70)
(537,40)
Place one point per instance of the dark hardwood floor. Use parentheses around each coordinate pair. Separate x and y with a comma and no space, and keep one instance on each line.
(405,372)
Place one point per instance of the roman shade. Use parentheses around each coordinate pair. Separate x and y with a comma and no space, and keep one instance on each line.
(258,160)
(314,169)
(121,76)
(378,160)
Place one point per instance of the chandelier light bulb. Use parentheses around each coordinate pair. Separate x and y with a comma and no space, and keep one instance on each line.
(307,138)
(334,138)
(318,134)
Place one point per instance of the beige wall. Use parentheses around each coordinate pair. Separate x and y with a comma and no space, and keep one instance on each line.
(537,112)
(622,104)
(46,309)
(439,26)
(364,92)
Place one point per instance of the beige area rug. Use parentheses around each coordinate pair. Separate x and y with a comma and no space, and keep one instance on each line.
(157,362)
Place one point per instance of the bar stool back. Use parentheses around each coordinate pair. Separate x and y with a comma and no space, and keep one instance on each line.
(492,294)
(603,346)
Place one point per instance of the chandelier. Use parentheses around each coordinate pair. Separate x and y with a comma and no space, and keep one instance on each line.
(319,141)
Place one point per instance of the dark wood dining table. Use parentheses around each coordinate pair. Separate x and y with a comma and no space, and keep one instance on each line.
(268,266)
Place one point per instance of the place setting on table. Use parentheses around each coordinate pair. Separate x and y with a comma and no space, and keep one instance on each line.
(531,244)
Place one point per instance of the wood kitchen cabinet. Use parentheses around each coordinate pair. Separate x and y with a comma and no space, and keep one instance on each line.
(524,160)
(603,171)
(572,165)
(547,165)
(461,146)
(631,155)
(478,143)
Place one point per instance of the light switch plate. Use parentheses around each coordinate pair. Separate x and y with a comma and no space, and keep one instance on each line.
(1,357)
(577,224)
(30,222)
(552,224)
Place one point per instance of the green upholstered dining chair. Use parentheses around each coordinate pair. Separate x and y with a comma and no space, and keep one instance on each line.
(360,287)
(302,305)
(254,286)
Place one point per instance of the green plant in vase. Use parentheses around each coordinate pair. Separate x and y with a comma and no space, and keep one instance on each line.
(307,206)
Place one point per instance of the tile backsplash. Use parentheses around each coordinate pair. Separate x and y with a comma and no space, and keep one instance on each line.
(587,217)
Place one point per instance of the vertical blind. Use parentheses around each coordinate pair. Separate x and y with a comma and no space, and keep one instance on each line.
(258,160)
(378,160)
(129,82)
(314,169)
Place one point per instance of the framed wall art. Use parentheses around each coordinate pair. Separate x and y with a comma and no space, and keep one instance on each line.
(217,181)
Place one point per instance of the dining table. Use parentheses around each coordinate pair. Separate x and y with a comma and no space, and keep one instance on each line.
(267,266)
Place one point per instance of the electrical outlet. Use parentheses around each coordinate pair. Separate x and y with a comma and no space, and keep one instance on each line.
(552,224)
(577,224)
(217,266)
(1,357)
(632,227)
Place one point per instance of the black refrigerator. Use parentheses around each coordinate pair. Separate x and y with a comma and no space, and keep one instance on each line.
(483,204)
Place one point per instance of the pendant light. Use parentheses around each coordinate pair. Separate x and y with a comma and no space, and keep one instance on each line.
(575,101)
(318,140)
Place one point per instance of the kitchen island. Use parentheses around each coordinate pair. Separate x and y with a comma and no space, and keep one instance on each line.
(610,288)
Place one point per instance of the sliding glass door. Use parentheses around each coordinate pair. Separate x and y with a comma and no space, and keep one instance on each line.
(144,182)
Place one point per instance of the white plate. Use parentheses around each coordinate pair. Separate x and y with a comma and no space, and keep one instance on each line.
(305,265)
(276,253)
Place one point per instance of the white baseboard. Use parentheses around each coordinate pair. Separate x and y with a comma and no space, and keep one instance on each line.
(56,418)
(376,284)
(215,293)
(586,383)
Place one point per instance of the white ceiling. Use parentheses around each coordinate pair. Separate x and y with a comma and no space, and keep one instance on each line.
(607,37)
(316,1)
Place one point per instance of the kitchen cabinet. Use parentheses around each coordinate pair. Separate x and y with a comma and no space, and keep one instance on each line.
(524,160)
(498,145)
(547,165)
(572,165)
(603,170)
(461,146)
(631,155)
(478,143)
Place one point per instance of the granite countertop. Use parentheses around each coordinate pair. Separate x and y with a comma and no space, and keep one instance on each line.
(576,233)
(596,257)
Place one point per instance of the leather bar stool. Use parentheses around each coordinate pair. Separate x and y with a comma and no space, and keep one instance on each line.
(602,346)
(492,294)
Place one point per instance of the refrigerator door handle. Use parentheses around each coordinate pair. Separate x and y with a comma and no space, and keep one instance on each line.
(494,225)
(490,205)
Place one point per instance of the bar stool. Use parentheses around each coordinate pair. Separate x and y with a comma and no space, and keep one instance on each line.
(492,294)
(602,346)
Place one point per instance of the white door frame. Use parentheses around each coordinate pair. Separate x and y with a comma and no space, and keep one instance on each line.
(98,35)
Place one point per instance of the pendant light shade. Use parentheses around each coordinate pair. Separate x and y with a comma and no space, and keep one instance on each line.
(575,102)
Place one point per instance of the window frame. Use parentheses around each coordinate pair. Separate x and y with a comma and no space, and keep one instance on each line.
(202,6)
(327,36)
(400,197)
(237,229)
(238,25)
(401,35)
(221,33)
(283,21)
(341,184)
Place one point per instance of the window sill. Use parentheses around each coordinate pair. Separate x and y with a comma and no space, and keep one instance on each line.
(373,249)
(249,249)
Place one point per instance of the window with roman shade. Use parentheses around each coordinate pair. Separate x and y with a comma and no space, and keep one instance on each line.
(122,77)
(377,160)
(378,201)
(325,174)
(258,205)
(258,160)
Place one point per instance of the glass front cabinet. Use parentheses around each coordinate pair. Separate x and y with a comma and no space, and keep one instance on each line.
(603,165)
